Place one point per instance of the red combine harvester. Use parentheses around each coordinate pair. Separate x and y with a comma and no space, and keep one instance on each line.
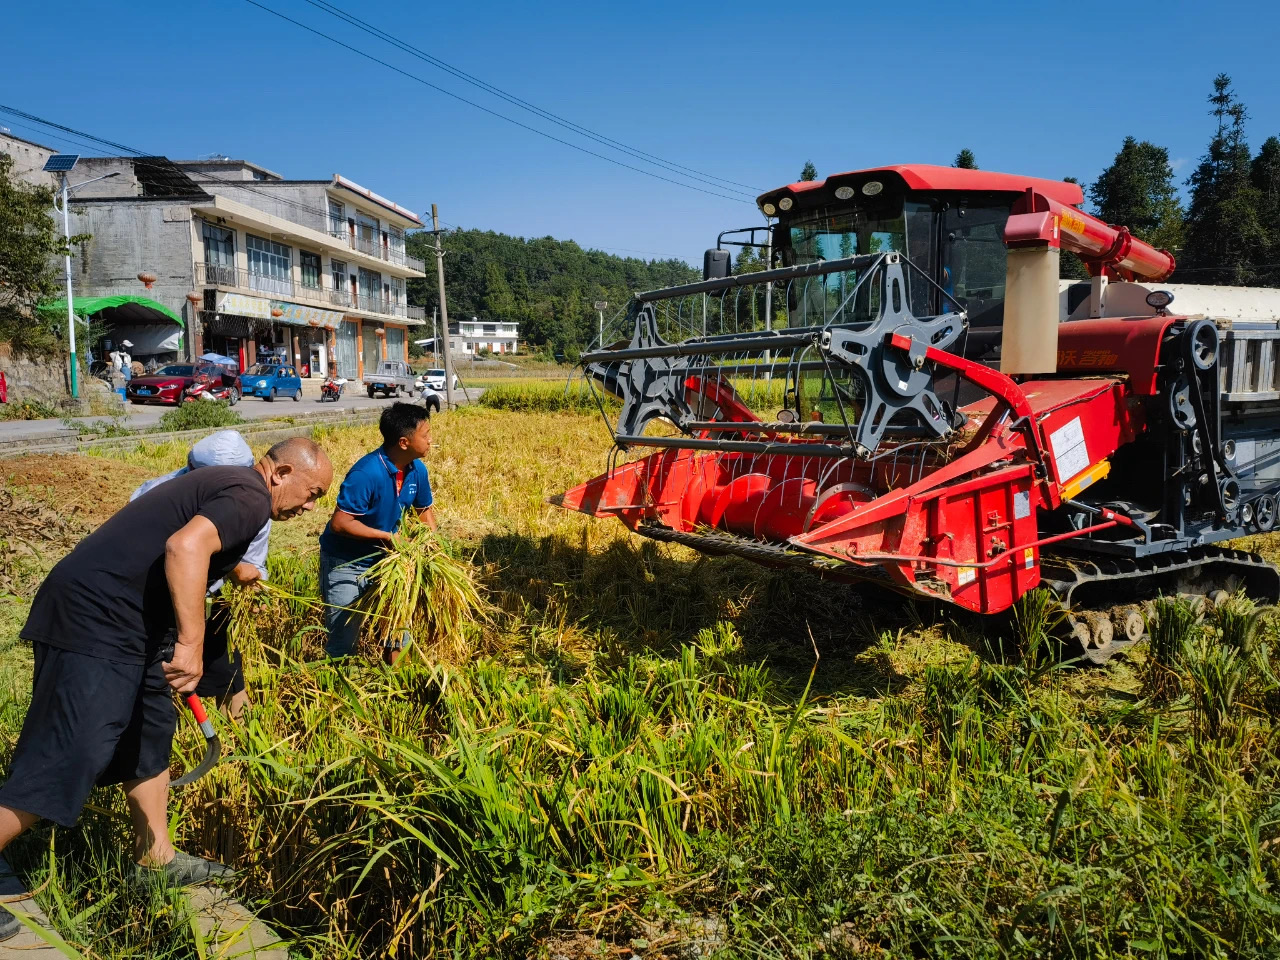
(910,395)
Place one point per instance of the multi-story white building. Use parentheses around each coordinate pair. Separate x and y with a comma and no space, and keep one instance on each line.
(252,264)
(474,335)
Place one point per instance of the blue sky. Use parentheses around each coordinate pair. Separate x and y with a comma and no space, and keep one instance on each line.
(745,91)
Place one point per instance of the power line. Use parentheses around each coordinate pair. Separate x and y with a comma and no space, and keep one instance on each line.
(677,168)
(494,113)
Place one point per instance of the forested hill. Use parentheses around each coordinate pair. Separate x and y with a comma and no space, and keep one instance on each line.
(547,285)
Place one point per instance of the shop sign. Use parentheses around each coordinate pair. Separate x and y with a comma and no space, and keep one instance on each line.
(243,306)
(299,315)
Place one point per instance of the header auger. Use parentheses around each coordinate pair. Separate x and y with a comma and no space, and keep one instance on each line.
(913,412)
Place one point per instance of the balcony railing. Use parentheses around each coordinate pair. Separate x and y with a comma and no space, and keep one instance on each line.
(373,247)
(217,275)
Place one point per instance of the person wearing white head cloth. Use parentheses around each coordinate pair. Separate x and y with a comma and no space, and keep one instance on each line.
(223,671)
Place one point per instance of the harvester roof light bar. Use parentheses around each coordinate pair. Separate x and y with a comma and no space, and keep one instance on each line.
(61,162)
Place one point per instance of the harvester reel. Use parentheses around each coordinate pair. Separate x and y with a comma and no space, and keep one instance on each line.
(894,380)
(651,388)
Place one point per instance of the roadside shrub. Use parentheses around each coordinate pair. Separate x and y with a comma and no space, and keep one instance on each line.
(197,416)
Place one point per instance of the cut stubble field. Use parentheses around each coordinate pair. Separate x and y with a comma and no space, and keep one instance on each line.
(646,751)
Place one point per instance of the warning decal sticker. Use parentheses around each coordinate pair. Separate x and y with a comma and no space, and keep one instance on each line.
(1069,450)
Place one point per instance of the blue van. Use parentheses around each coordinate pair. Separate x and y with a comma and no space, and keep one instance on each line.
(271,380)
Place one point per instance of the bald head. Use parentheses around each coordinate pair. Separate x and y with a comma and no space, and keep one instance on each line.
(299,452)
(298,473)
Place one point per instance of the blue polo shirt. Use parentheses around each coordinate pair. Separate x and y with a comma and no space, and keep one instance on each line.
(368,492)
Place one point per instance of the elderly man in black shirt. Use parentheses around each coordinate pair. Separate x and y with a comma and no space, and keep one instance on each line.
(101,710)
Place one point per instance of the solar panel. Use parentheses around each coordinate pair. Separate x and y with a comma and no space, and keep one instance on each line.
(61,162)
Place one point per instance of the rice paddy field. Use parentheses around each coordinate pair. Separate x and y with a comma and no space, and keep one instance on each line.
(638,751)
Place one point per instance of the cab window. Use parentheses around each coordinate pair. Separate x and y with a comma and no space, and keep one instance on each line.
(974,258)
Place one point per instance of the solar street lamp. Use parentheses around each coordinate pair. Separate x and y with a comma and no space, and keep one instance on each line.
(62,164)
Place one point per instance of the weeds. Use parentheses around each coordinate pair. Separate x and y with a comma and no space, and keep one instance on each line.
(28,409)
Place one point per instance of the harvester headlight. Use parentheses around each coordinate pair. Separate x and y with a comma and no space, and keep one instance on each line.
(785,203)
(871,188)
(1159,299)
(844,193)
(769,209)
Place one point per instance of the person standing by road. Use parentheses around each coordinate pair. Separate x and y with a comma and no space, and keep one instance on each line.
(372,500)
(101,709)
(223,678)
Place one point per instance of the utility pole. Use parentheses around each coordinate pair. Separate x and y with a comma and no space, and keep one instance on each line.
(435,335)
(71,311)
(600,306)
(444,311)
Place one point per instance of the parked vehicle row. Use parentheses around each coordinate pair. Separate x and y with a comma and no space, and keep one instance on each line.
(176,382)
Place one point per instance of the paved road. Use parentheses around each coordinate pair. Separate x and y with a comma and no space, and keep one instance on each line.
(144,417)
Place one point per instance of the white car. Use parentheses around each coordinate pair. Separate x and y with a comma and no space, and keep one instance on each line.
(434,380)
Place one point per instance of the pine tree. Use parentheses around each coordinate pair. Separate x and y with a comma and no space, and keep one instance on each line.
(1137,192)
(1265,175)
(1223,236)
(499,304)
(810,172)
(965,160)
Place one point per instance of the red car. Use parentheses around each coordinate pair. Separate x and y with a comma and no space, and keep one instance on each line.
(169,384)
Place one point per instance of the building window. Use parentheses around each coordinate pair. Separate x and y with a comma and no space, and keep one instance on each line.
(309,264)
(270,266)
(367,235)
(337,218)
(370,290)
(219,255)
(340,295)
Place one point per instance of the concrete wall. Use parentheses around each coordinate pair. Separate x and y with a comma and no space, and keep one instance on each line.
(131,237)
(306,204)
(123,184)
(226,170)
(28,160)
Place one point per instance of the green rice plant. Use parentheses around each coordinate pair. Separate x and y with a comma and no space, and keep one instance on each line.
(1238,620)
(1216,673)
(575,396)
(423,587)
(1172,623)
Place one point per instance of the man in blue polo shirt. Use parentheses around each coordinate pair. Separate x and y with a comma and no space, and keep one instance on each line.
(374,495)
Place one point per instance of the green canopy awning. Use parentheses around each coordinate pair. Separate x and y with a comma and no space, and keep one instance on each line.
(124,309)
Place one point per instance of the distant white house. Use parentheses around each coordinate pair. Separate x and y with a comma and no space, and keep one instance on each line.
(474,335)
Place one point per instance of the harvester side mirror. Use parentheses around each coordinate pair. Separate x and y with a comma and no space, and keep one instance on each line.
(716,265)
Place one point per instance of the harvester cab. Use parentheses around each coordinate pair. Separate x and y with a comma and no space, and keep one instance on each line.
(896,398)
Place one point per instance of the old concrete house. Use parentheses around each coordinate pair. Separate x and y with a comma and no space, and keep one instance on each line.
(235,259)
